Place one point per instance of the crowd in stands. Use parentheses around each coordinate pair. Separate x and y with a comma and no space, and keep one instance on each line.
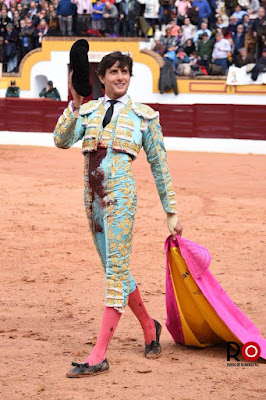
(197,37)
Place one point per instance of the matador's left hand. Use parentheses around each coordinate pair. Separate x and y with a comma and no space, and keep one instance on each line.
(174,225)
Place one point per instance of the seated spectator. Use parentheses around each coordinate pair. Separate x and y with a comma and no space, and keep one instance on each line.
(42,30)
(205,49)
(239,13)
(190,49)
(50,92)
(65,11)
(203,29)
(110,15)
(204,10)
(243,58)
(174,28)
(220,23)
(84,13)
(168,40)
(158,47)
(128,10)
(170,55)
(233,22)
(220,52)
(97,16)
(11,53)
(182,7)
(238,40)
(27,36)
(180,39)
(12,90)
(246,22)
(262,59)
(189,30)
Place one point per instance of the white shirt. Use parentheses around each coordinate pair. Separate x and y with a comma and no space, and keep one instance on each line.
(221,49)
(121,102)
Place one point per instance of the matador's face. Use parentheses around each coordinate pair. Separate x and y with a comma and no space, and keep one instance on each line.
(116,81)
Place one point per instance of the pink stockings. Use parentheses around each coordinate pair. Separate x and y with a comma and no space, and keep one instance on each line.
(110,320)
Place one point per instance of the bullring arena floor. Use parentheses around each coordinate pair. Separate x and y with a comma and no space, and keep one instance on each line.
(52,284)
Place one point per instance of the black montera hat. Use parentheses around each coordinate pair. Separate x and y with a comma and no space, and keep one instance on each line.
(79,64)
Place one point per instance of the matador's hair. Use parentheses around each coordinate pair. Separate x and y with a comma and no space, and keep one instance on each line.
(110,59)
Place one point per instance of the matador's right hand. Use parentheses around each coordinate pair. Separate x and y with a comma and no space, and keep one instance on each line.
(77,99)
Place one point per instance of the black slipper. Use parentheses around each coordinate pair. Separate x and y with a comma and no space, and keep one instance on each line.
(154,349)
(83,370)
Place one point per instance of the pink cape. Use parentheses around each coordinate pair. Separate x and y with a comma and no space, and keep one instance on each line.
(198,259)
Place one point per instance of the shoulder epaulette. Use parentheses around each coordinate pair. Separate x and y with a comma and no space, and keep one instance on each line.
(89,107)
(144,111)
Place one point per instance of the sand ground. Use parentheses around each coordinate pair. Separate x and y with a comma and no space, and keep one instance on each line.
(52,283)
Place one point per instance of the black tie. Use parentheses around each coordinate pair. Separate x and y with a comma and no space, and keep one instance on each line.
(109,112)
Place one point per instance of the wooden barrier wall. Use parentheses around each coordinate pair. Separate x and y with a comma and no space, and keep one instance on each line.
(198,120)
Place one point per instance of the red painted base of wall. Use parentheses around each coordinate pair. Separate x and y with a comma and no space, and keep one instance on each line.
(198,120)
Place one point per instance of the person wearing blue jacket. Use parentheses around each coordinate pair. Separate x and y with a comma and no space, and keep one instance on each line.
(204,9)
(65,11)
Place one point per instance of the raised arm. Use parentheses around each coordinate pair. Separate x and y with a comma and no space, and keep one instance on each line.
(69,128)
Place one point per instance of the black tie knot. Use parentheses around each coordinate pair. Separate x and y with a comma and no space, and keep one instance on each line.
(109,112)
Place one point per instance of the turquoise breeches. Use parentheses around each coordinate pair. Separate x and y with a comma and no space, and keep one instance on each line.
(110,200)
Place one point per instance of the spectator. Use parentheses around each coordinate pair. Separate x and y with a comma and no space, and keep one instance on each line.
(11,54)
(110,14)
(84,12)
(193,15)
(203,29)
(54,24)
(189,30)
(4,20)
(158,47)
(243,58)
(168,40)
(151,12)
(232,24)
(27,36)
(164,13)
(262,59)
(250,42)
(180,39)
(16,20)
(204,52)
(238,40)
(239,13)
(174,28)
(259,32)
(50,92)
(129,10)
(42,30)
(189,48)
(220,23)
(97,15)
(220,52)
(253,9)
(12,90)
(170,55)
(182,7)
(246,23)
(204,10)
(65,11)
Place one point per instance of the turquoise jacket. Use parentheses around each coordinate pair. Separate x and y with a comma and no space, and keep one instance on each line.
(136,125)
